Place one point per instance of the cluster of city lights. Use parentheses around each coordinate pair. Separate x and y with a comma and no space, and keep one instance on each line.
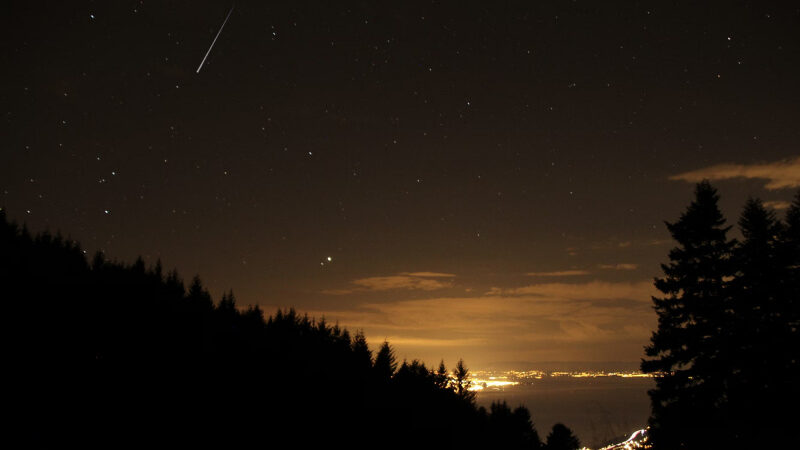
(498,381)
(491,380)
(495,383)
(639,439)
(601,374)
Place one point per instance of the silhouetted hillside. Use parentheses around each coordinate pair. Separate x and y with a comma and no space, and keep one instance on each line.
(106,353)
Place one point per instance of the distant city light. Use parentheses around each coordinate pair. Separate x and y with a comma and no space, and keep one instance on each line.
(490,380)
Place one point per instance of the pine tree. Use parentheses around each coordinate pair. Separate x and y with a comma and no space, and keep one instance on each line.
(523,427)
(198,295)
(790,257)
(385,363)
(755,331)
(788,308)
(440,377)
(512,429)
(689,348)
(757,285)
(561,438)
(361,352)
(462,382)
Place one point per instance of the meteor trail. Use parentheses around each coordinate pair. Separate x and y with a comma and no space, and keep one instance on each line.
(215,40)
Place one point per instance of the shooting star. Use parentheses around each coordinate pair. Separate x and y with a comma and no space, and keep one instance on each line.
(215,39)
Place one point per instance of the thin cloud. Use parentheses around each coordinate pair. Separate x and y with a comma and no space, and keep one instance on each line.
(611,244)
(429,274)
(425,281)
(560,273)
(571,321)
(622,266)
(779,175)
(777,204)
(593,290)
(402,282)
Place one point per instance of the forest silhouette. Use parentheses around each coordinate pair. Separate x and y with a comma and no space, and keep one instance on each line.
(727,347)
(107,353)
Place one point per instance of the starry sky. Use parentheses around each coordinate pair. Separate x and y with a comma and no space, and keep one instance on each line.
(486,180)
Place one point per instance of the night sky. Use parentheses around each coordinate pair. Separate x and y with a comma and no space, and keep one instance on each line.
(488,179)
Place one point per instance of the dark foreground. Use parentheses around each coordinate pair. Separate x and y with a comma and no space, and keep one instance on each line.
(108,354)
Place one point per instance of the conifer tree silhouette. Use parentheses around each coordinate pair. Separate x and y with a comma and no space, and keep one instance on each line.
(361,352)
(757,293)
(691,347)
(790,257)
(755,330)
(727,346)
(440,377)
(561,438)
(462,382)
(385,363)
(512,429)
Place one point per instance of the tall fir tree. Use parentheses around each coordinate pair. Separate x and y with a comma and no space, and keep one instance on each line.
(755,333)
(790,256)
(790,304)
(462,382)
(757,286)
(562,438)
(385,364)
(689,349)
(440,377)
(361,352)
